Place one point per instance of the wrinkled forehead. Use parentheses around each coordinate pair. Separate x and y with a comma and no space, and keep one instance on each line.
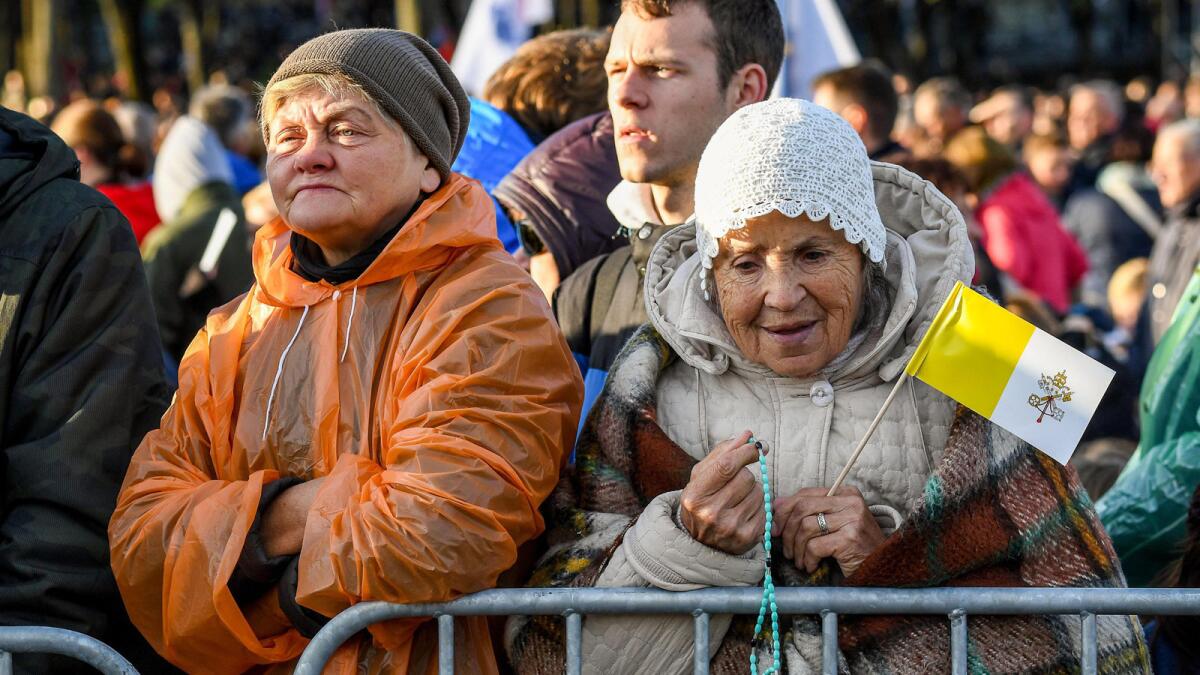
(316,105)
(687,35)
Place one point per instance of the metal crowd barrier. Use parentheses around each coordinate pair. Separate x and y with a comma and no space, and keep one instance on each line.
(45,640)
(954,603)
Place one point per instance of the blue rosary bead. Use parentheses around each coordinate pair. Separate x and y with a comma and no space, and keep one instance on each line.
(768,597)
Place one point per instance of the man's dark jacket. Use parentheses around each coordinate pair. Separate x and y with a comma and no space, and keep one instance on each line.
(81,381)
(559,190)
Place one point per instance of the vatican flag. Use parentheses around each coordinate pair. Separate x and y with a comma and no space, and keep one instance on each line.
(1010,372)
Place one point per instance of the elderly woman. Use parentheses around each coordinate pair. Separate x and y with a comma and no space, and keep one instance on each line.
(787,311)
(379,418)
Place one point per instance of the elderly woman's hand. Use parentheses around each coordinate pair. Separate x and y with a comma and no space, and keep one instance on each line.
(722,505)
(852,533)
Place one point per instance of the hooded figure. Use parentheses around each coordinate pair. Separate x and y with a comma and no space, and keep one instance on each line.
(199,258)
(787,311)
(82,382)
(379,418)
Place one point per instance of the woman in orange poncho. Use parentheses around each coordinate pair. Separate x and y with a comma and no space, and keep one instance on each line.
(379,418)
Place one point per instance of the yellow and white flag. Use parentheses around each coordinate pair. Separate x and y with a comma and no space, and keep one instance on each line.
(1010,372)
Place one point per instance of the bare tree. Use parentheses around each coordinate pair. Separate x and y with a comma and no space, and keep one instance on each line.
(39,53)
(122,19)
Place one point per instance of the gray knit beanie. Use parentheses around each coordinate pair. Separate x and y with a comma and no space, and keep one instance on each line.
(404,73)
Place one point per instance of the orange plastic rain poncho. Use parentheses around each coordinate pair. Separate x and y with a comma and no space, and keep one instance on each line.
(436,395)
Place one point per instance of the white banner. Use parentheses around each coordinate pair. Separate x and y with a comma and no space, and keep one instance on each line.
(817,41)
(491,34)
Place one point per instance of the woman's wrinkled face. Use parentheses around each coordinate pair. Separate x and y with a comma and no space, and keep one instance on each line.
(790,291)
(341,173)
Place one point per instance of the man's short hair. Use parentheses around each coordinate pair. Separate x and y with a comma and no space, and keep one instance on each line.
(746,31)
(1108,92)
(552,80)
(226,109)
(868,84)
(947,91)
(1185,132)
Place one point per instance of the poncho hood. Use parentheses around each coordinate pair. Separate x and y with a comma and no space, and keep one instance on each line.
(457,216)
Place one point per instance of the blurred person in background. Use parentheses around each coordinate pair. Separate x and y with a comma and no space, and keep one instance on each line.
(1175,168)
(556,198)
(551,81)
(228,111)
(1022,232)
(1172,639)
(108,162)
(1094,113)
(863,96)
(1165,107)
(953,183)
(1118,219)
(12,95)
(676,70)
(940,107)
(1126,294)
(139,124)
(259,207)
(1007,115)
(1145,511)
(1049,114)
(202,214)
(1050,162)
(1191,97)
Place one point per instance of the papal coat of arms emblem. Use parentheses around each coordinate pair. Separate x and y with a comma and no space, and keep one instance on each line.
(1055,390)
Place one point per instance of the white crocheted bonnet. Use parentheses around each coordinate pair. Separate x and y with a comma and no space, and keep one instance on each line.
(790,156)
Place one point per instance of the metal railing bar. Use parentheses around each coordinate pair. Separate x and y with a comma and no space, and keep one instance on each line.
(574,643)
(5,663)
(700,644)
(958,642)
(446,644)
(1088,628)
(829,642)
(876,601)
(552,601)
(46,640)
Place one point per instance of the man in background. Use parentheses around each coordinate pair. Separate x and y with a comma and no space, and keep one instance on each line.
(863,96)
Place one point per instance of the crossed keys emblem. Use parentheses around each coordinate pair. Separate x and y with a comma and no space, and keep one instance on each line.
(1056,391)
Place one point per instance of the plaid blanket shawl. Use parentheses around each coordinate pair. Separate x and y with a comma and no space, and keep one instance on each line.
(995,512)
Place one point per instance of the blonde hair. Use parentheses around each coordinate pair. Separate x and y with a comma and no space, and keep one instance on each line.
(277,94)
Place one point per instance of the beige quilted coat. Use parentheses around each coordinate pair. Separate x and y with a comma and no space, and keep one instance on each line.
(712,393)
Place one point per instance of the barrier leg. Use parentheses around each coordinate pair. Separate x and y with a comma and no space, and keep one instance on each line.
(446,644)
(574,643)
(700,645)
(1089,643)
(829,643)
(958,642)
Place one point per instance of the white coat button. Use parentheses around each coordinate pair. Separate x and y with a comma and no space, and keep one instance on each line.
(337,295)
(645,232)
(821,394)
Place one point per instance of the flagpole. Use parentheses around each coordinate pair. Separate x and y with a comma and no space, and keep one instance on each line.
(837,483)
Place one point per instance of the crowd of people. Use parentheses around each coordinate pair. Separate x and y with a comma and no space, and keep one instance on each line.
(362,336)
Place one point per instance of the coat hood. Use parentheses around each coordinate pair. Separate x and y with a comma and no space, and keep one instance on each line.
(927,252)
(458,215)
(33,157)
(560,188)
(191,156)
